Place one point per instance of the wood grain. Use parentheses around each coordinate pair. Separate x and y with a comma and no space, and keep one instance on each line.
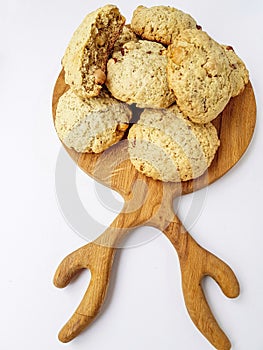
(151,202)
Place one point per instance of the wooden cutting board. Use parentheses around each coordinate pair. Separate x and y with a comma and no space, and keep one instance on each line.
(149,202)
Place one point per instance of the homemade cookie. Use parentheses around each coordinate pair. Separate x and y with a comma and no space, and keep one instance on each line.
(137,74)
(91,125)
(86,56)
(126,35)
(160,23)
(167,146)
(199,74)
(239,74)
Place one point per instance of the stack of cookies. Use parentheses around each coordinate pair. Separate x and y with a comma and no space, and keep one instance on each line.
(162,63)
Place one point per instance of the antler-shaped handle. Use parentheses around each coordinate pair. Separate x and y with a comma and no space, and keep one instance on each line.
(98,257)
(98,260)
(195,263)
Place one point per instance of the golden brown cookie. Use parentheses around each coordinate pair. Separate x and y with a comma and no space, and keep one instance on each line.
(160,23)
(199,75)
(91,125)
(137,74)
(86,56)
(167,146)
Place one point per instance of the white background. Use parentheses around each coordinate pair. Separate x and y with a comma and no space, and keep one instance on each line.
(145,308)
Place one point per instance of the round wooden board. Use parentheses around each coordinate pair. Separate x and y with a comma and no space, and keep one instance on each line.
(151,202)
(235,127)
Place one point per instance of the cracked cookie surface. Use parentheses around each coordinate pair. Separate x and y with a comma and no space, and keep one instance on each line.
(160,23)
(199,74)
(137,74)
(167,146)
(91,125)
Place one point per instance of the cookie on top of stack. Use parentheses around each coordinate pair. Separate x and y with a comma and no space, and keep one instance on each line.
(164,63)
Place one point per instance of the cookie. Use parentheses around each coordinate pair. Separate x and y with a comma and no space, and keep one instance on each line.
(239,74)
(167,146)
(137,74)
(160,23)
(86,56)
(126,35)
(91,125)
(199,74)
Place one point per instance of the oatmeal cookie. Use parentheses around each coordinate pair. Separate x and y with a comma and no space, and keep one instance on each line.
(86,56)
(137,74)
(160,23)
(167,146)
(91,125)
(199,75)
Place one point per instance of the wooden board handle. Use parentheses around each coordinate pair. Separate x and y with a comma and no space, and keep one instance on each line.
(196,263)
(98,260)
(98,257)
